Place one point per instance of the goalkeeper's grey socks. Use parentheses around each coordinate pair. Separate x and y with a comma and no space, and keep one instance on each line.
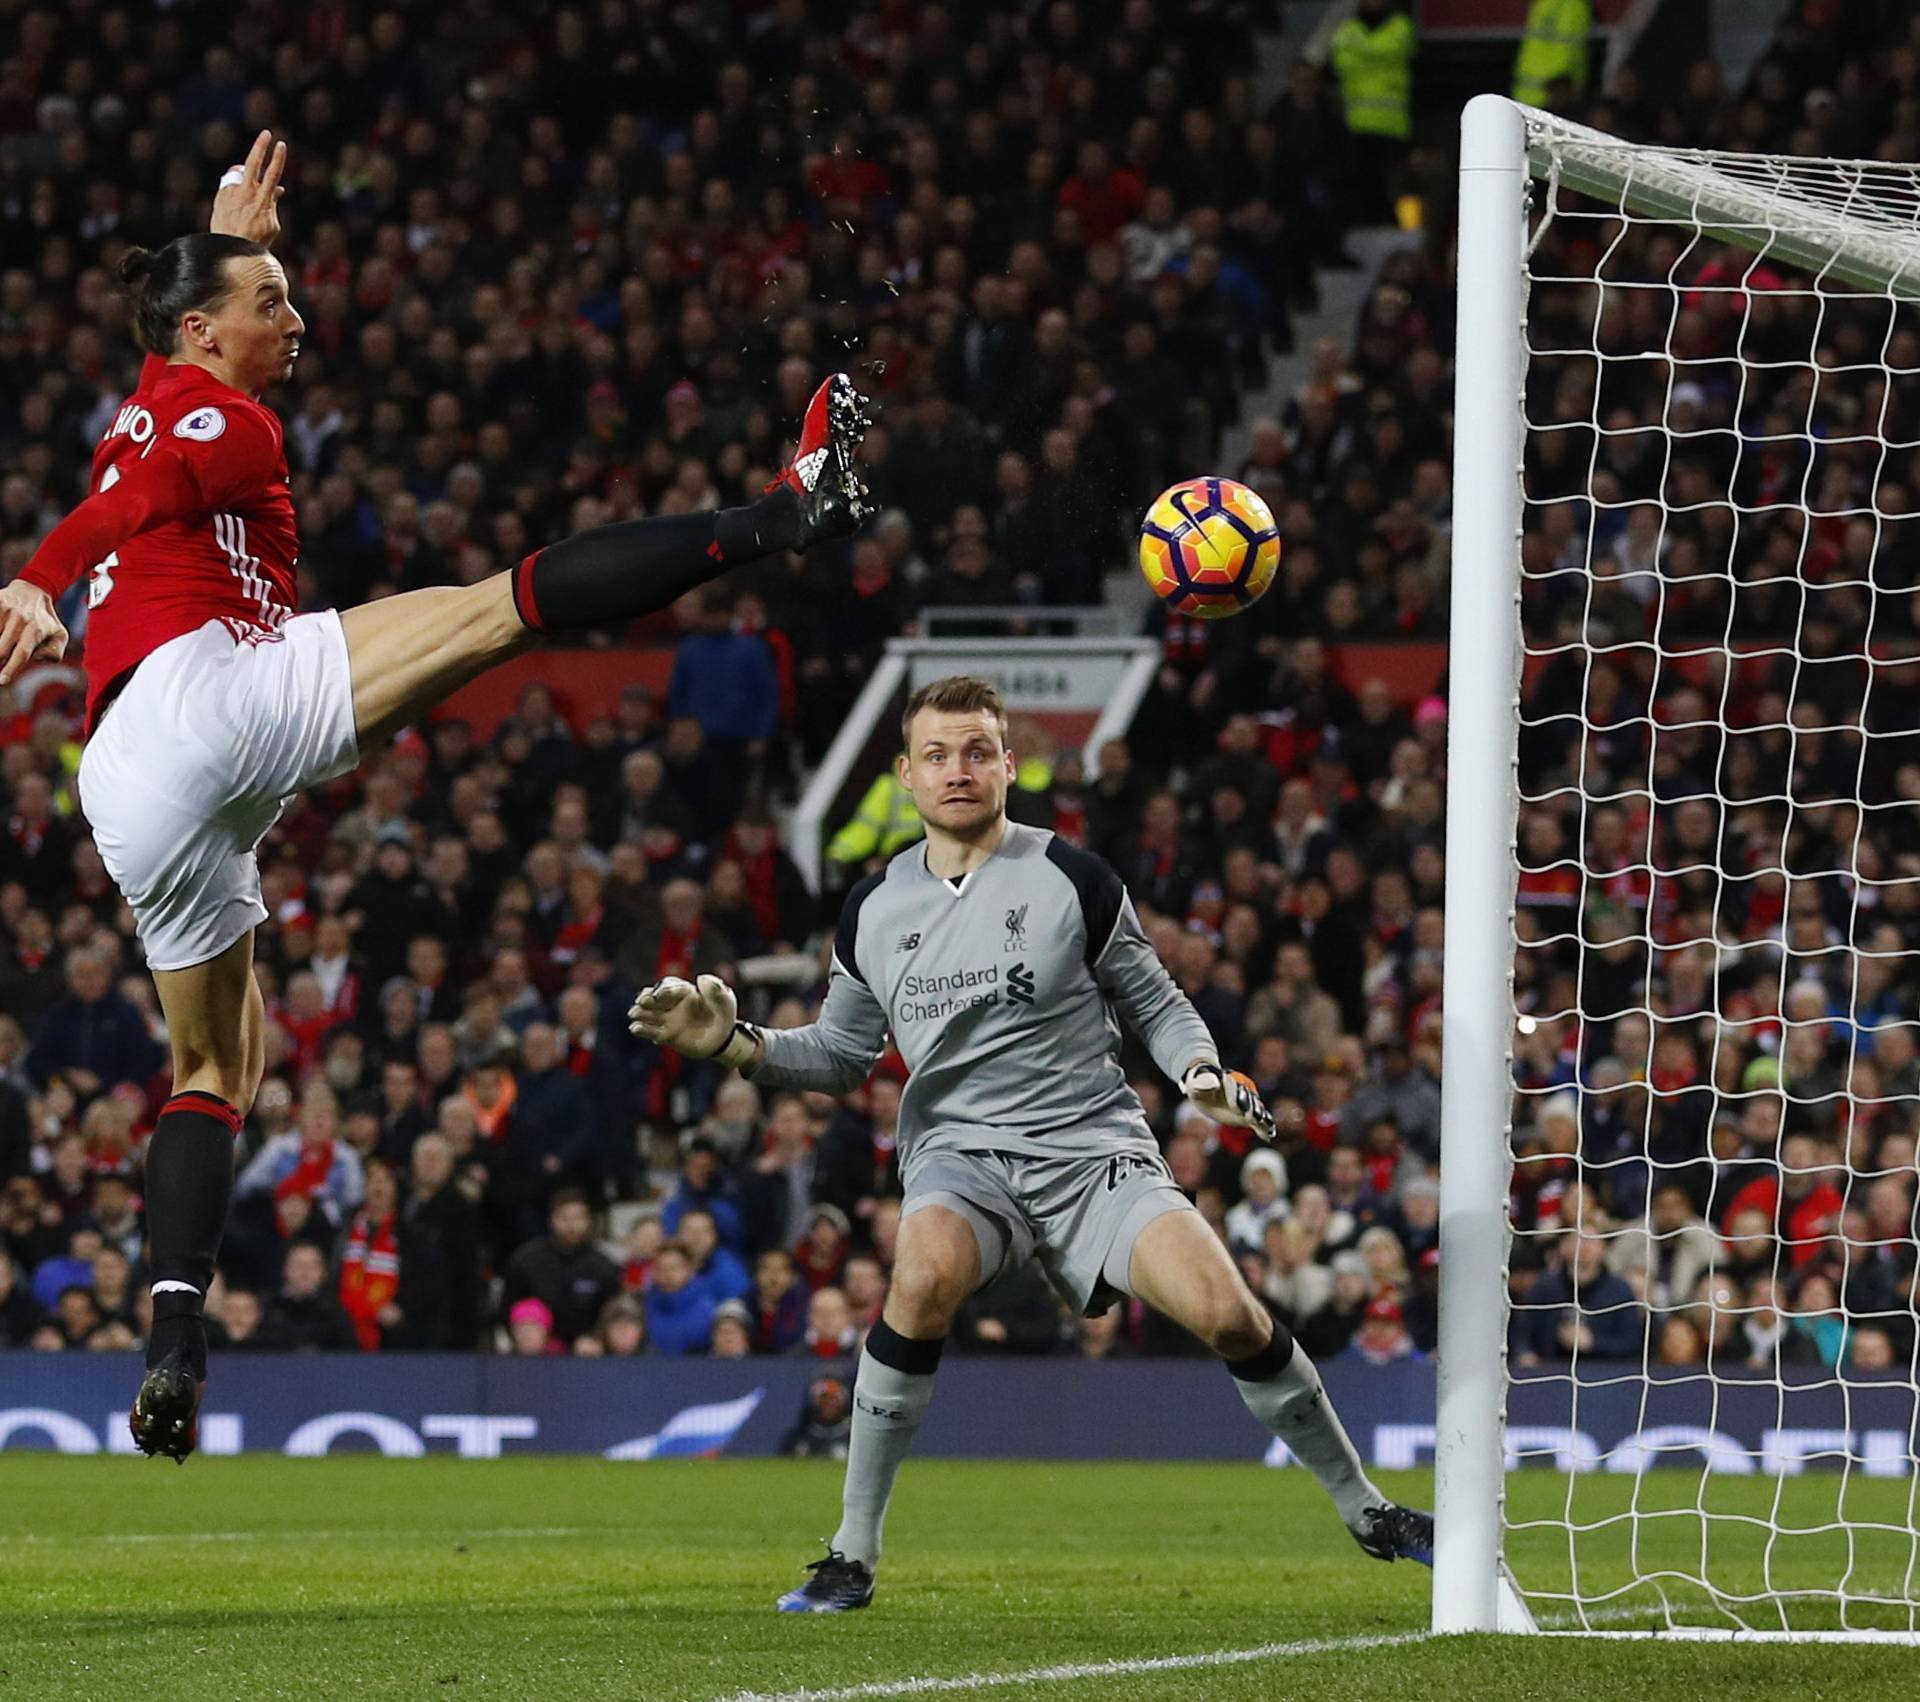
(890,1396)
(1283,1390)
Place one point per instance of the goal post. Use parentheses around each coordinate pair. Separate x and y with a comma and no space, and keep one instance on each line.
(1683,862)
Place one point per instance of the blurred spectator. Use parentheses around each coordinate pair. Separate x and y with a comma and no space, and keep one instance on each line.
(826,1419)
(371,1264)
(705,1186)
(832,1331)
(1263,1181)
(1382,1337)
(1578,1307)
(717,1271)
(1328,1329)
(779,1302)
(679,1313)
(93,1039)
(1016,1313)
(309,1162)
(442,1230)
(20,1313)
(1373,55)
(777,1189)
(530,1328)
(822,1251)
(731,1334)
(563,1270)
(303,1317)
(621,1332)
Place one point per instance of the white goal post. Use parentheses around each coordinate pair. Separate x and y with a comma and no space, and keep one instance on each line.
(1701,517)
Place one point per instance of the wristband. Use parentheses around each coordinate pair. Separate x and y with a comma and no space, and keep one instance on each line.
(741,1045)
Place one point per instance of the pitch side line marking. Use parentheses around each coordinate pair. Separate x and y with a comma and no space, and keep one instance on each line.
(369,1535)
(1078,1669)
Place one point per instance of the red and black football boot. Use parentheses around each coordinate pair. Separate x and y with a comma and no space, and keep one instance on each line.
(825,471)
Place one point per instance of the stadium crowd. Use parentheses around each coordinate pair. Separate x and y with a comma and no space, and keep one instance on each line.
(557,278)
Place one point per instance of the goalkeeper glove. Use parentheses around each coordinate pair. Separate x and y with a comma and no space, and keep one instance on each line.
(1227,1097)
(698,1020)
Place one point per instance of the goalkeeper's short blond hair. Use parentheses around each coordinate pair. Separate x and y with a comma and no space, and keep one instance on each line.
(957,694)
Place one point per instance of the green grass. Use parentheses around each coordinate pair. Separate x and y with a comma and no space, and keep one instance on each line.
(358,1577)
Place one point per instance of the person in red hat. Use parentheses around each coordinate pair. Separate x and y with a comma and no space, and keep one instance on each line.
(1383,1335)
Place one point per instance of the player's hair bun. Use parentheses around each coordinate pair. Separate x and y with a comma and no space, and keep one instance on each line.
(136,266)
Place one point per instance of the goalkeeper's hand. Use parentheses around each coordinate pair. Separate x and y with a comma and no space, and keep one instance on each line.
(1227,1097)
(698,1020)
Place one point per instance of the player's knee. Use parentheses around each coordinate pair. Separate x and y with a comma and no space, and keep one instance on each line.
(1234,1325)
(197,1070)
(924,1296)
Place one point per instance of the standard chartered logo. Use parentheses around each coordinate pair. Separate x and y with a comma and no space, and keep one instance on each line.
(933,998)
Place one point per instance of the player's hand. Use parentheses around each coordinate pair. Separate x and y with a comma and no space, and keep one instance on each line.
(697,1020)
(29,630)
(247,203)
(1227,1097)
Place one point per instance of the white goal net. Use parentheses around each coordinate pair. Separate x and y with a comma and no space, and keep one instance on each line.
(1687,594)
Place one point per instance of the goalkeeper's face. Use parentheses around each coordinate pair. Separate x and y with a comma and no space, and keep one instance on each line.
(958,768)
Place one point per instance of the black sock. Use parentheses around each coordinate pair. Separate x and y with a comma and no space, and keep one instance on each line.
(188,1187)
(633,567)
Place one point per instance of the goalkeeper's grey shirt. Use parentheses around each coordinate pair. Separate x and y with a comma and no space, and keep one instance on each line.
(1004,993)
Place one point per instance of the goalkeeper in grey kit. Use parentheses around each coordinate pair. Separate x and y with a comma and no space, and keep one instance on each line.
(1002,959)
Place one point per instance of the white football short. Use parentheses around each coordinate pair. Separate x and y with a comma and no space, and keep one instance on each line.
(195,760)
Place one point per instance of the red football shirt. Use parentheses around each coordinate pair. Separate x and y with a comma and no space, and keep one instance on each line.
(190,520)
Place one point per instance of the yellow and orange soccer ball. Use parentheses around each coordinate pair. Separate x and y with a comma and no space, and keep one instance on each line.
(1209,547)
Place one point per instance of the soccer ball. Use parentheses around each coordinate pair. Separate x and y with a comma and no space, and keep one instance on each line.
(1209,547)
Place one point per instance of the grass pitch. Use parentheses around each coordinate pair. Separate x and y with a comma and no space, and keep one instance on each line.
(351,1576)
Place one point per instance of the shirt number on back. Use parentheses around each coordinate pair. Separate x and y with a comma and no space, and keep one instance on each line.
(100,581)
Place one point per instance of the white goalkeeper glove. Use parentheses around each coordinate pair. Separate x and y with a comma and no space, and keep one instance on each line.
(698,1020)
(1227,1097)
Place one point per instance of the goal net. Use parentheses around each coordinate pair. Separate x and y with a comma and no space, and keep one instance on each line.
(1678,1344)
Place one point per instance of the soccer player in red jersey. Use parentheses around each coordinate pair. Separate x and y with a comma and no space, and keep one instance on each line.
(210,701)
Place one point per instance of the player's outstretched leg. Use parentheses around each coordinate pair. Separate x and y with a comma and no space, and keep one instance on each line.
(411,651)
(630,568)
(1179,1266)
(937,1267)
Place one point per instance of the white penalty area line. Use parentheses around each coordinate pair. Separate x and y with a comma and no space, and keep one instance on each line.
(369,1534)
(1066,1673)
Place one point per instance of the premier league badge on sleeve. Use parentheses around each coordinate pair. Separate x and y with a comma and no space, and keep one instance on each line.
(203,425)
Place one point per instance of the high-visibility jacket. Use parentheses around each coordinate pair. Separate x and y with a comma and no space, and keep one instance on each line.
(1375,67)
(884,820)
(1554,46)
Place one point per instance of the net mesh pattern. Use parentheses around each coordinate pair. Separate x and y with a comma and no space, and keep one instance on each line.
(1717,913)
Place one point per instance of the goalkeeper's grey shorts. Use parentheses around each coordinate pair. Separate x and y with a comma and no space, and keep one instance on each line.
(1079,1216)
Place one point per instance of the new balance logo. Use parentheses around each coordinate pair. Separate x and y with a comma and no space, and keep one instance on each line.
(1019,985)
(908,942)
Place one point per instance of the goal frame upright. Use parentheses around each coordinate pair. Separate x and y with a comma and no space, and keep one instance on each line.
(1483,666)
